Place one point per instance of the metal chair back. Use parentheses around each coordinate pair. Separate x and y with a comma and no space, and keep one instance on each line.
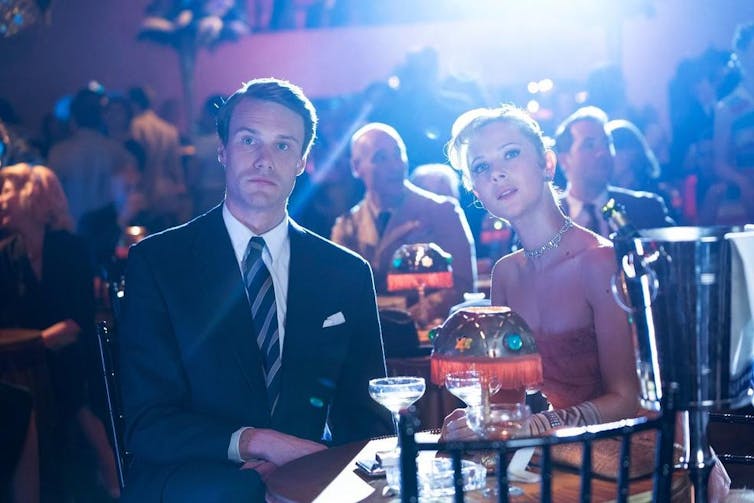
(106,344)
(583,435)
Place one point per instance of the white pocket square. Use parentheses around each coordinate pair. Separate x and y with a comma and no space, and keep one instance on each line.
(334,319)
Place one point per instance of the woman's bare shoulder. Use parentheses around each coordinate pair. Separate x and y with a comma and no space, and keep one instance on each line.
(596,248)
(508,264)
(596,256)
(504,272)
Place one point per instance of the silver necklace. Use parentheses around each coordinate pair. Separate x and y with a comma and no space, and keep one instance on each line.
(553,243)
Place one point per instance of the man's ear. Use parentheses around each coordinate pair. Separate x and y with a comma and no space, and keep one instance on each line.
(221,155)
(300,166)
(355,168)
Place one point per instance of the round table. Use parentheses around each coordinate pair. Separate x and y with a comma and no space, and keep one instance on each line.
(331,475)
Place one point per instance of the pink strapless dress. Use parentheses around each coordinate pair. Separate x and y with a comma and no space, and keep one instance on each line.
(570,366)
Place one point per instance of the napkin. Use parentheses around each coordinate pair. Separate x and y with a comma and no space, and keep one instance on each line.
(517,471)
(741,317)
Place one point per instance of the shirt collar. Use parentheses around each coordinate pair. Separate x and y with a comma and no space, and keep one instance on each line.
(240,235)
(575,205)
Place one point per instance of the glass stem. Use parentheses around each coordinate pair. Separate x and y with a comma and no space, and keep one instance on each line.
(396,420)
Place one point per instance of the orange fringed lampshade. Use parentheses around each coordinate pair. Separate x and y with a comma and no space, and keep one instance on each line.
(420,265)
(494,341)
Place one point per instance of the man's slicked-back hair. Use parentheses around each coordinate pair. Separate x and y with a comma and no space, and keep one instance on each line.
(564,135)
(277,91)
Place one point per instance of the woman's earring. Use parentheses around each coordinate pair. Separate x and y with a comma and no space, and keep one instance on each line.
(476,203)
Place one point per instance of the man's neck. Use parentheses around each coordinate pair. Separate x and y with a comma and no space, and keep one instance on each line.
(382,202)
(258,222)
(585,193)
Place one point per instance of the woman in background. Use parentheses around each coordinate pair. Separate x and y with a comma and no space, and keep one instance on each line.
(46,284)
(636,166)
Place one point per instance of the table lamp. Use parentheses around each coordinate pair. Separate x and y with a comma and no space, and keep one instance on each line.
(419,266)
(131,235)
(495,342)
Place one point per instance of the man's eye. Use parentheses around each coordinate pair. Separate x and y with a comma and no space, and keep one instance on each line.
(512,153)
(247,140)
(480,168)
(283,147)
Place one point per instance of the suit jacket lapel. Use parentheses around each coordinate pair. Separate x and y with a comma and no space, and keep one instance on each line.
(302,312)
(224,298)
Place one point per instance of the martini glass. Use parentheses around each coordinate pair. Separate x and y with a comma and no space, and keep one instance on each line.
(396,393)
(466,385)
(499,421)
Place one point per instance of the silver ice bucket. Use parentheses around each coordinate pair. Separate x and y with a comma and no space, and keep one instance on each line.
(675,283)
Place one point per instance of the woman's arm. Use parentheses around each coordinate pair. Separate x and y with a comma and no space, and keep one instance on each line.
(61,334)
(615,347)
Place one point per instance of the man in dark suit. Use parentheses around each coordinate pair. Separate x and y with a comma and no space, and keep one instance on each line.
(209,386)
(586,155)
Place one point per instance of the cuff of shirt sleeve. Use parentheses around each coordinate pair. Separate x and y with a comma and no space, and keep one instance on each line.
(234,453)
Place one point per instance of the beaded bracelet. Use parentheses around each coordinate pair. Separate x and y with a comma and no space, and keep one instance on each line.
(552,418)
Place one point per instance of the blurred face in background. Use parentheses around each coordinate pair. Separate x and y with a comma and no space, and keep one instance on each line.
(380,161)
(590,160)
(12,212)
(625,166)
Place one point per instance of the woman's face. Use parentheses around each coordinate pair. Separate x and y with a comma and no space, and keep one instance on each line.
(507,171)
(11,210)
(625,165)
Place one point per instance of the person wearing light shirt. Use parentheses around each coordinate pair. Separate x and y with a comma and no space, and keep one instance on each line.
(202,420)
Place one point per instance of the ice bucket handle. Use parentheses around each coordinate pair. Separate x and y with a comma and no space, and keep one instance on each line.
(646,279)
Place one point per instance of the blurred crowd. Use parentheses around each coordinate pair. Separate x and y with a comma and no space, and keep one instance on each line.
(117,163)
(122,162)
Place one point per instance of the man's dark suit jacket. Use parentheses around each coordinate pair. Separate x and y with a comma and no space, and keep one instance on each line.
(645,210)
(191,371)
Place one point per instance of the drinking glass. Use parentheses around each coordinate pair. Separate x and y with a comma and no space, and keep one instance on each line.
(466,385)
(499,421)
(396,393)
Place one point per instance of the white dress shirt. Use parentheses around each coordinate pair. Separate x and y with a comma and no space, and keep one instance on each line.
(277,257)
(579,216)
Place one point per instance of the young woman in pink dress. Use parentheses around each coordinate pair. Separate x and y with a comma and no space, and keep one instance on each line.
(559,282)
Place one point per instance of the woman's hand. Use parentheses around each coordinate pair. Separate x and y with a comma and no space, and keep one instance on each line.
(455,427)
(61,334)
(718,484)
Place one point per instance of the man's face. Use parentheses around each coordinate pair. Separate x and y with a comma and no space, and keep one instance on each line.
(262,157)
(380,162)
(589,162)
(746,60)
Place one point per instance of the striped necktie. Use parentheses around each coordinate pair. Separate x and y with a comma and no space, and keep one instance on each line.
(261,293)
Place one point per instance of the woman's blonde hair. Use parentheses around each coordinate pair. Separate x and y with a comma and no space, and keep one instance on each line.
(40,193)
(469,122)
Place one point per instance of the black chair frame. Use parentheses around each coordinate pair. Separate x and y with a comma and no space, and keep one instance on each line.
(105,340)
(585,435)
(728,418)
